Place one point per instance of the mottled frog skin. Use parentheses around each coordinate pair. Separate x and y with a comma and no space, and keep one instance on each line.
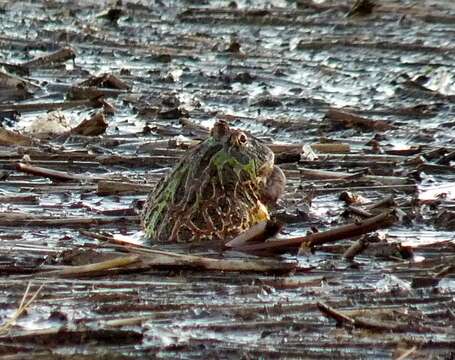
(218,189)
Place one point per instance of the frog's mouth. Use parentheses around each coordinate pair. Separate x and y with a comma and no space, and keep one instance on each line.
(265,170)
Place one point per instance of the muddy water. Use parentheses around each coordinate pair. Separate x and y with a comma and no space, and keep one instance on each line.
(295,60)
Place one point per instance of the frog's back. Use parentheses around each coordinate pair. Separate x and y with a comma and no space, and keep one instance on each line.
(212,193)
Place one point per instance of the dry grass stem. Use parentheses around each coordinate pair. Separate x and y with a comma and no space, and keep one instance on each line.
(20,310)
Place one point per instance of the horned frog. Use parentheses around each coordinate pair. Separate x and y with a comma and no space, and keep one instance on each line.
(218,189)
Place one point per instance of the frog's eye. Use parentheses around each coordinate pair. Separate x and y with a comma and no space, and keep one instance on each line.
(242,138)
(238,138)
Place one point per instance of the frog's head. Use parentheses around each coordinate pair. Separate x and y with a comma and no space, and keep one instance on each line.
(243,153)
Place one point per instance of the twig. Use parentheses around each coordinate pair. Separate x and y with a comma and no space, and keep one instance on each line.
(345,231)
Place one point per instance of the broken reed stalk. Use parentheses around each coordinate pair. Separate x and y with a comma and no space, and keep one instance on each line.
(325,175)
(23,219)
(135,320)
(106,187)
(48,106)
(407,353)
(330,312)
(359,211)
(205,263)
(349,120)
(325,148)
(8,137)
(331,148)
(257,233)
(87,270)
(52,174)
(20,199)
(405,188)
(22,307)
(382,220)
(356,248)
(373,324)
(93,126)
(58,56)
(158,258)
(105,81)
(445,271)
(109,239)
(385,202)
(74,336)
